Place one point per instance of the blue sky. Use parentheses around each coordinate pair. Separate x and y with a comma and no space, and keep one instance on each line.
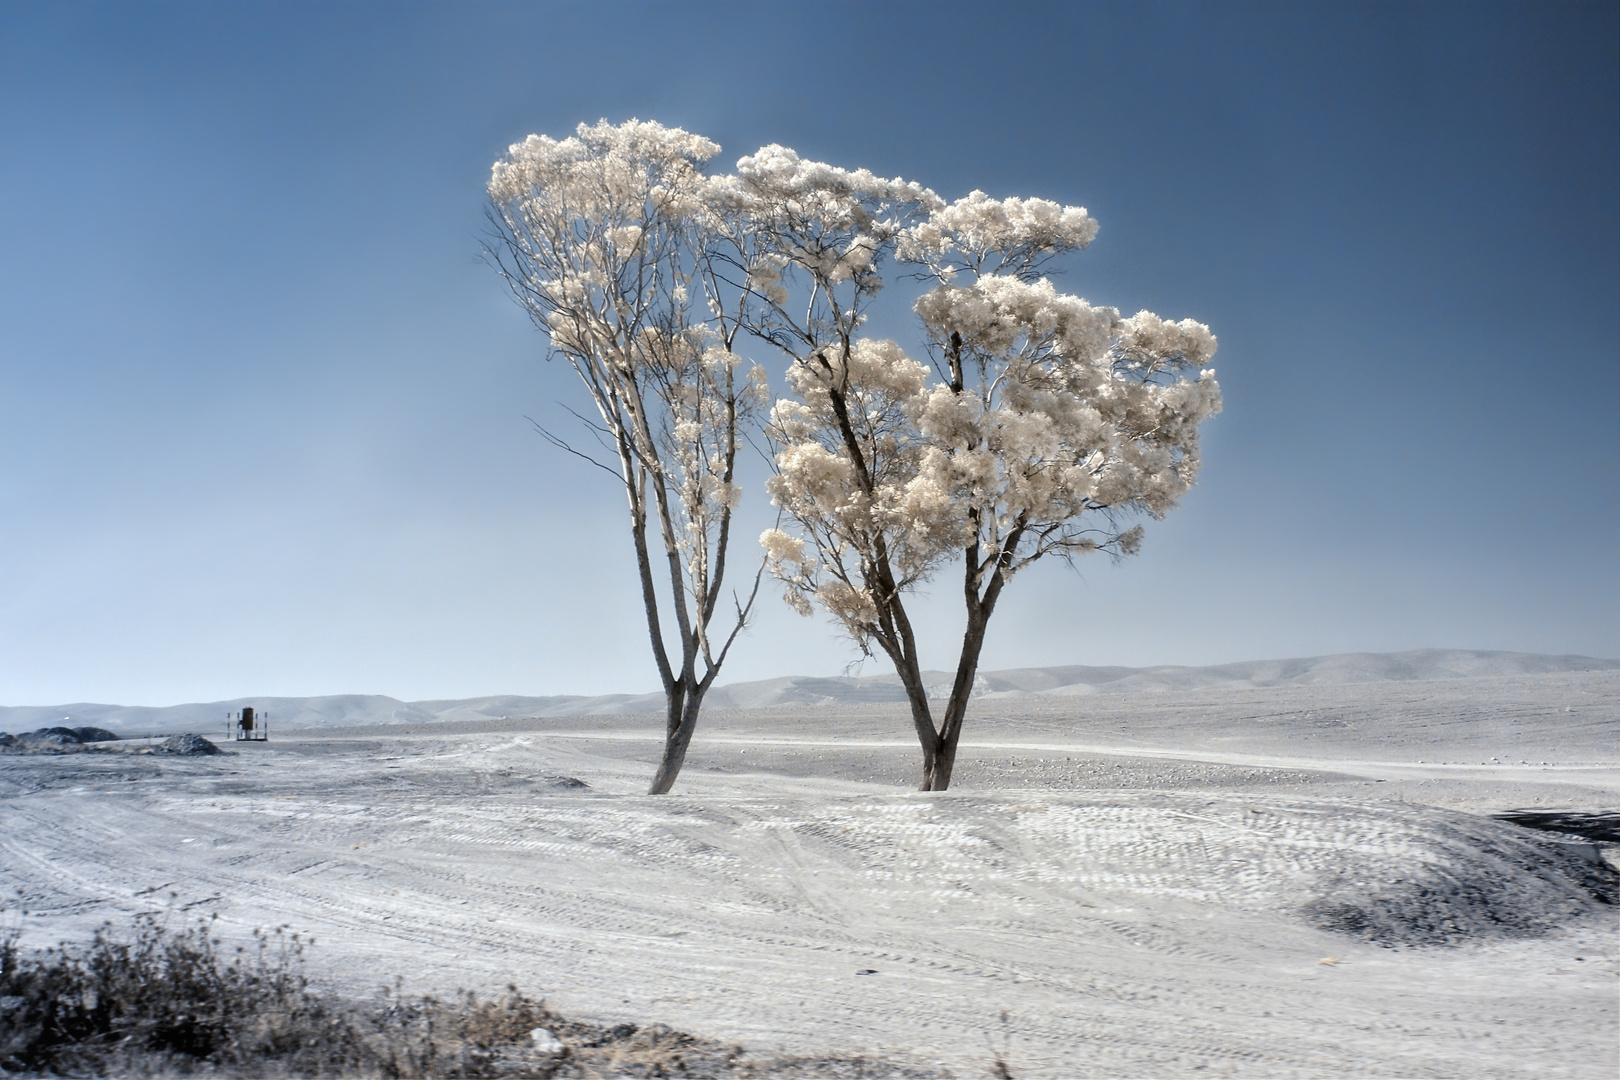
(262,409)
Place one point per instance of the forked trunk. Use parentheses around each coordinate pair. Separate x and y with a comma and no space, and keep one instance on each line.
(936,774)
(939,746)
(679,725)
(940,760)
(939,750)
(921,717)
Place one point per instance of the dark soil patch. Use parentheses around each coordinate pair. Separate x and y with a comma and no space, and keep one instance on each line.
(1599,825)
(1496,886)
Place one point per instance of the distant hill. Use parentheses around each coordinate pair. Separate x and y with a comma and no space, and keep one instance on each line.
(346,710)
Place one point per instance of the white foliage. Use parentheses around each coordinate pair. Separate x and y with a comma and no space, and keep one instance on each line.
(1046,423)
(603,238)
(829,228)
(981,234)
(602,170)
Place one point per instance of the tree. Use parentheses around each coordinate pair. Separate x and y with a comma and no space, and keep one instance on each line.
(1044,426)
(601,237)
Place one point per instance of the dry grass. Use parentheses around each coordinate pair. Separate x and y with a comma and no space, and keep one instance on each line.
(161,1002)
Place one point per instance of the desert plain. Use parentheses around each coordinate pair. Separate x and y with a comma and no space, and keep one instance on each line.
(1292,881)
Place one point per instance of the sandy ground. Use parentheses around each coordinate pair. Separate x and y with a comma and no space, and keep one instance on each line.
(1284,882)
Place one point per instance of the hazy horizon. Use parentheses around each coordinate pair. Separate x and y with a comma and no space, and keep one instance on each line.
(1268,671)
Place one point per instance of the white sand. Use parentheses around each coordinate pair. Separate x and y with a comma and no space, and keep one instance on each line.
(1139,882)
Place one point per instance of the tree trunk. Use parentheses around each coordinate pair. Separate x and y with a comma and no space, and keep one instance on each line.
(939,744)
(940,759)
(896,641)
(681,722)
(922,717)
(938,765)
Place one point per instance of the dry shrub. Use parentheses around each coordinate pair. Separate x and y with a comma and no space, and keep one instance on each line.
(170,1003)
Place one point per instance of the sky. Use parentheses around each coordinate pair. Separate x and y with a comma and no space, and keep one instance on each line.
(265,413)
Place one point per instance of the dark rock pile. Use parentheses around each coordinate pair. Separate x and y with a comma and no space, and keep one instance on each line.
(56,738)
(50,736)
(95,734)
(67,740)
(187,744)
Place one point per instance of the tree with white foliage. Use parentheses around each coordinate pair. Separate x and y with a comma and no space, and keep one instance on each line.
(602,237)
(1044,426)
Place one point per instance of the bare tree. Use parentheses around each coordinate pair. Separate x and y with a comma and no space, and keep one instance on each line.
(602,237)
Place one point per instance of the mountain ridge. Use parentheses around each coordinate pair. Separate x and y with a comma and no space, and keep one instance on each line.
(348,710)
